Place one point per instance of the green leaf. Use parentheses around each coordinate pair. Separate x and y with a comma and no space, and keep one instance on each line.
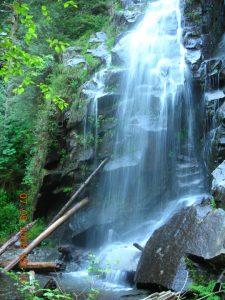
(57,49)
(44,11)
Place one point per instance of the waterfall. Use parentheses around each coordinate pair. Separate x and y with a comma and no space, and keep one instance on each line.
(156,165)
(154,158)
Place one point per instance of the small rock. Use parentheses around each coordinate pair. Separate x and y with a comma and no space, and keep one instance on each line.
(79,59)
(98,37)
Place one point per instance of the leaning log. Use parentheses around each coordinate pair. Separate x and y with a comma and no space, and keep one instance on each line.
(37,266)
(45,234)
(76,194)
(15,237)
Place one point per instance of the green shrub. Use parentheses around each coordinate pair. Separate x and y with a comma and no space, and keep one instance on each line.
(9,216)
(205,291)
(37,229)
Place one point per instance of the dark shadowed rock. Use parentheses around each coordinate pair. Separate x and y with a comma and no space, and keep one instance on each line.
(114,77)
(107,102)
(196,230)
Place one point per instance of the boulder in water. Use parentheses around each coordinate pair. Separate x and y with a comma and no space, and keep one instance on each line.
(196,230)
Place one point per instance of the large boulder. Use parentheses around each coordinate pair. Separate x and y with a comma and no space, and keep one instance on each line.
(196,230)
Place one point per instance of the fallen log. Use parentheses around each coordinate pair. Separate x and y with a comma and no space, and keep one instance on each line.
(74,196)
(15,238)
(45,234)
(37,266)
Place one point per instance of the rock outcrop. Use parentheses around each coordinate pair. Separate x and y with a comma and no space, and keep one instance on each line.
(203,26)
(197,231)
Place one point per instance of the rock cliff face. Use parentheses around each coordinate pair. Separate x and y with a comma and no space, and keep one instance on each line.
(203,23)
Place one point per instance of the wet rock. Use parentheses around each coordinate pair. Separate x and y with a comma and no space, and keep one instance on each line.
(220,116)
(100,52)
(114,77)
(218,184)
(71,58)
(127,161)
(76,116)
(120,53)
(196,230)
(98,37)
(217,145)
(192,42)
(127,17)
(193,59)
(87,155)
(127,3)
(107,103)
(213,100)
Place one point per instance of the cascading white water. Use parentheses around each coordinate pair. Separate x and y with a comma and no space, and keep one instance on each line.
(154,157)
(155,167)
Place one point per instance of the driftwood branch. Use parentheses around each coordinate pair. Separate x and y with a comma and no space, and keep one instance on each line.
(74,196)
(45,234)
(139,247)
(15,238)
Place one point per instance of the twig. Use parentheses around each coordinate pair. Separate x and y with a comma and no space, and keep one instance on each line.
(211,294)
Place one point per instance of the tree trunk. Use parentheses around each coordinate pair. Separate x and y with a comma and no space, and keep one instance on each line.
(45,234)
(74,196)
(15,238)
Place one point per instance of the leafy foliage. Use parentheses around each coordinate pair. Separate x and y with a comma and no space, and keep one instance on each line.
(205,291)
(31,289)
(32,41)
(37,229)
(9,216)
